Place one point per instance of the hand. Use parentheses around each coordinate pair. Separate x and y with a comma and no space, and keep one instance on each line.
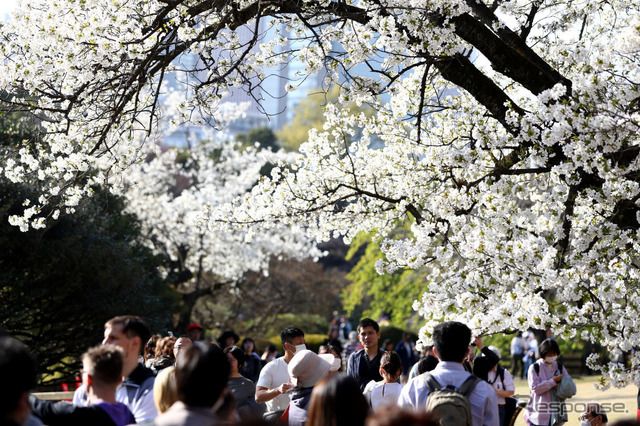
(557,378)
(478,342)
(284,388)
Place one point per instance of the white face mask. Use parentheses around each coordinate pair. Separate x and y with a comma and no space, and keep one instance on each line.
(550,359)
(298,348)
(585,423)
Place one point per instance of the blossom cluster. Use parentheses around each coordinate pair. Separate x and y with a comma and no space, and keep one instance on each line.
(173,196)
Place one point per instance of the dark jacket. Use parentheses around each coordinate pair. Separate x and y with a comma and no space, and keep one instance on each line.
(251,367)
(299,407)
(408,358)
(364,371)
(65,413)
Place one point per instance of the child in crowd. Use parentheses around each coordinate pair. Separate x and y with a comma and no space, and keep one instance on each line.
(387,391)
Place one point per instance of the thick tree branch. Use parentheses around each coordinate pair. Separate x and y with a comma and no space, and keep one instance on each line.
(460,71)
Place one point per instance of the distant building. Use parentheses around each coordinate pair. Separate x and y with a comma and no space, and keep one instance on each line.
(272,106)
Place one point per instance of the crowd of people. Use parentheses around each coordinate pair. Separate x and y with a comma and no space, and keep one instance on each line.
(355,379)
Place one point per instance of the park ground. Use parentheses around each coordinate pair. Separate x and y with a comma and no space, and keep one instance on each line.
(586,393)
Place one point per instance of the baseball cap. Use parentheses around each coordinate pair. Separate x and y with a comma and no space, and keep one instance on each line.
(192,326)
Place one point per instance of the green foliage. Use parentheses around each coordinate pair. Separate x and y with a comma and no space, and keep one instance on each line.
(309,323)
(500,341)
(571,346)
(377,294)
(313,342)
(15,128)
(59,285)
(394,334)
(309,115)
(264,136)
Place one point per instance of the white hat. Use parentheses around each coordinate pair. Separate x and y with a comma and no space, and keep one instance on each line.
(307,368)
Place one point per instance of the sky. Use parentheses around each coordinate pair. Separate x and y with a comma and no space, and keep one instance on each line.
(5,7)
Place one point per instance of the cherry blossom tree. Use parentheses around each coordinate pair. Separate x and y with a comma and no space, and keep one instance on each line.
(172,192)
(509,133)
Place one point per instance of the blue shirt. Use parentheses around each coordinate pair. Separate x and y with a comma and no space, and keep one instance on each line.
(483,399)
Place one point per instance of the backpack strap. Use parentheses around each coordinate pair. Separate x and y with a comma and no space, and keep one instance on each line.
(501,374)
(536,367)
(469,385)
(432,384)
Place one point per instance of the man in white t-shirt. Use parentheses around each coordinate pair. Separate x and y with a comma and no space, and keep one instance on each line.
(274,381)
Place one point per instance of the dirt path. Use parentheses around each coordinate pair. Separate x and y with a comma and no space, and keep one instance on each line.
(624,399)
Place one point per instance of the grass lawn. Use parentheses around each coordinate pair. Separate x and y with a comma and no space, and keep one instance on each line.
(586,393)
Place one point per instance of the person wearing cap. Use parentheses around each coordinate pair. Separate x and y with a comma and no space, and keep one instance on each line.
(530,352)
(306,369)
(194,332)
(228,338)
(273,384)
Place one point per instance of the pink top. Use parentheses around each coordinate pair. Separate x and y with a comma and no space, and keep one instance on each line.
(539,408)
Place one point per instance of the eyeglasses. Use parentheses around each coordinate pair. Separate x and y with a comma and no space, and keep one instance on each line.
(586,416)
